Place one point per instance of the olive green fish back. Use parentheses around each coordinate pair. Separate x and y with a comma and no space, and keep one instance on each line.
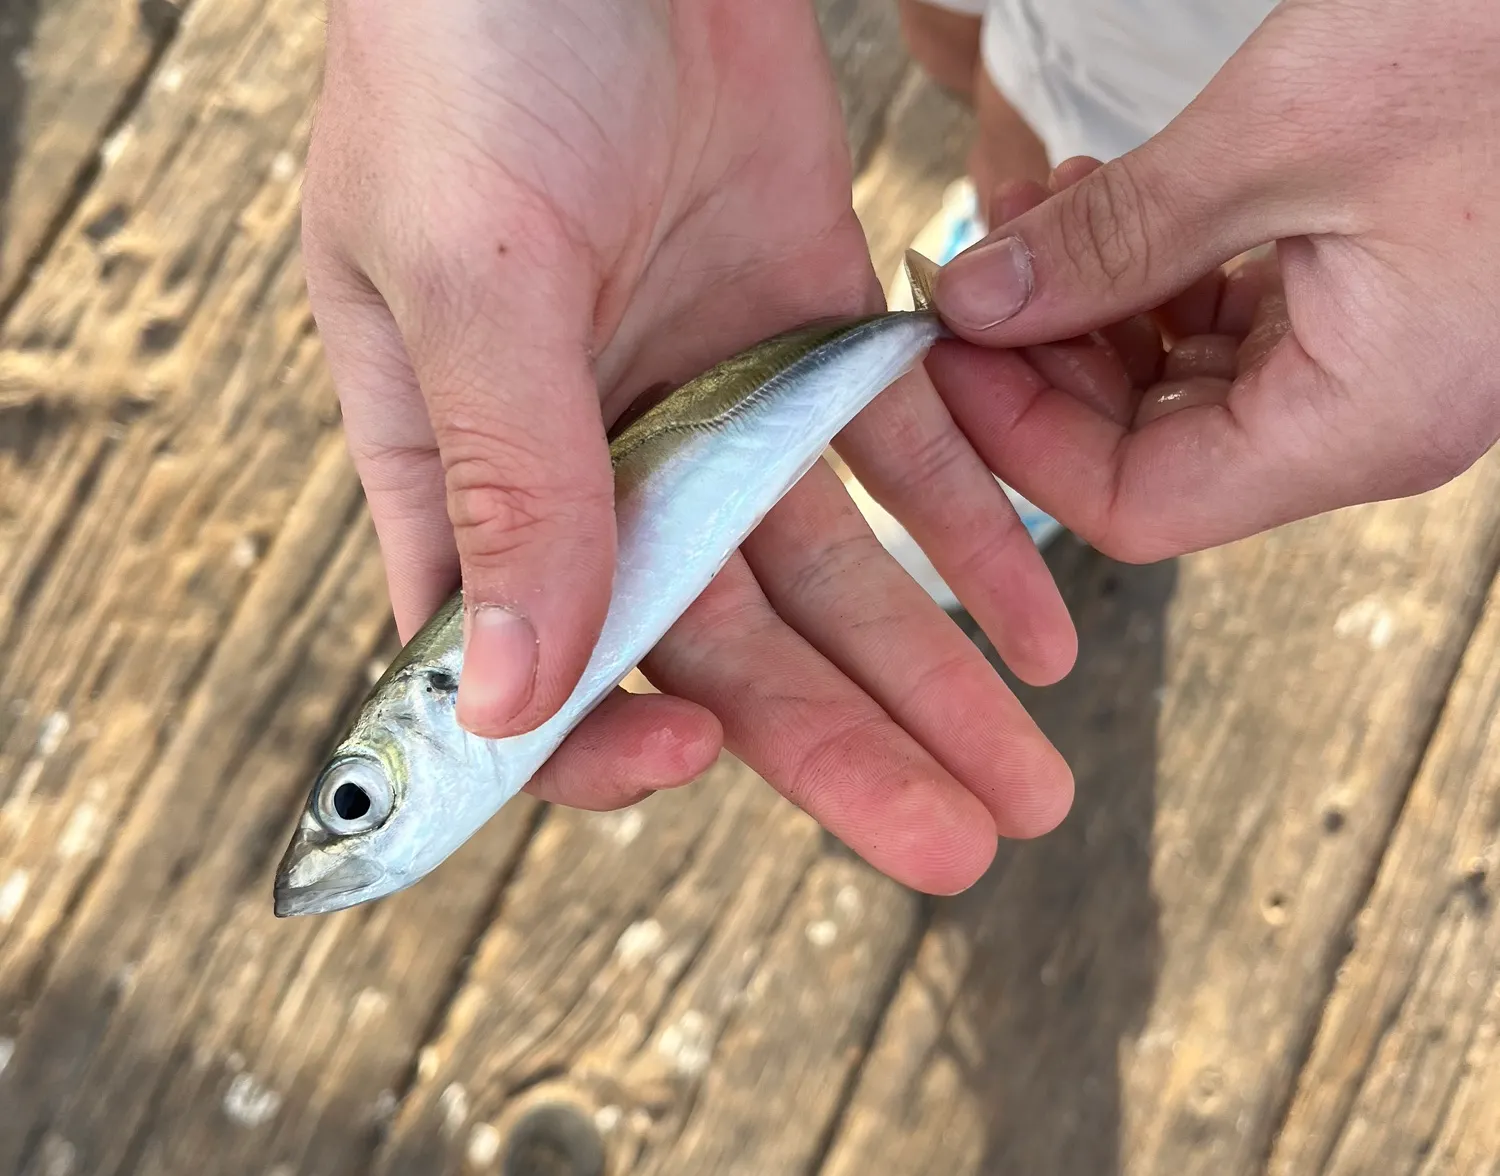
(718,392)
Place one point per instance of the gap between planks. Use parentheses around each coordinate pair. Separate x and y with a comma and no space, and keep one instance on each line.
(160,21)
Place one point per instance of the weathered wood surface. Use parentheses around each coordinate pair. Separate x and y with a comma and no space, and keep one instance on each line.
(190,601)
(926,134)
(190,598)
(1135,993)
(869,63)
(651,973)
(1404,1076)
(68,70)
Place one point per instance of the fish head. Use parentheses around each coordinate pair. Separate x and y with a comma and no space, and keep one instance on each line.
(404,789)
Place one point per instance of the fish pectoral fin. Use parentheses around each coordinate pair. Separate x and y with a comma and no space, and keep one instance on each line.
(921,272)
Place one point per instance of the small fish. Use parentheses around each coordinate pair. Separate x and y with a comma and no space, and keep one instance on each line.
(694,475)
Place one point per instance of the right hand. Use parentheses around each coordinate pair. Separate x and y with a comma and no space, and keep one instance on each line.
(521,214)
(1361,140)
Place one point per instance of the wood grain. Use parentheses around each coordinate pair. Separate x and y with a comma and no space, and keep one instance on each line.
(1136,993)
(1404,1076)
(134,510)
(869,61)
(680,987)
(927,134)
(69,71)
(190,600)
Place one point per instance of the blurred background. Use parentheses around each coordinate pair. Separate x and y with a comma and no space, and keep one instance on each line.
(1265,940)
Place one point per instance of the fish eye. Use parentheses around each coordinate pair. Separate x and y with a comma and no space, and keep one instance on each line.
(442,682)
(353,797)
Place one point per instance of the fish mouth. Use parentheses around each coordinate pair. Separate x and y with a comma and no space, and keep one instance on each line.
(313,880)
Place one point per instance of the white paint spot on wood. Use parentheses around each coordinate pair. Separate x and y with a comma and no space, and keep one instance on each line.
(484,1145)
(115,145)
(283,167)
(373,669)
(13,894)
(57,1157)
(249,1102)
(848,902)
(170,79)
(427,1063)
(686,1043)
(245,553)
(7,1051)
(822,932)
(1367,618)
(386,1103)
(624,826)
(639,941)
(670,962)
(630,1027)
(81,835)
(125,978)
(234,1062)
(369,1004)
(54,727)
(606,1119)
(453,1105)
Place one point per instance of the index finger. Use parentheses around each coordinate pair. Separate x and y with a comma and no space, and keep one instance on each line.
(1278,449)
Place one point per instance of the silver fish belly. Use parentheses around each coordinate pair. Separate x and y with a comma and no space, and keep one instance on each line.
(693,477)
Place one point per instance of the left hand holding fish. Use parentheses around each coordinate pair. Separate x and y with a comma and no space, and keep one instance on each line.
(513,208)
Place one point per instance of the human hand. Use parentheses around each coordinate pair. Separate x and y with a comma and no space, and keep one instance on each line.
(521,215)
(1362,142)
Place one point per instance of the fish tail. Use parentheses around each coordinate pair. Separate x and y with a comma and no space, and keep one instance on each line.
(921,273)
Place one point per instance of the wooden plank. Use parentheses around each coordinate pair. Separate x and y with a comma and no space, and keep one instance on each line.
(927,134)
(182,1028)
(687,985)
(869,63)
(132,514)
(999,1053)
(68,70)
(190,597)
(1136,992)
(1404,1076)
(680,987)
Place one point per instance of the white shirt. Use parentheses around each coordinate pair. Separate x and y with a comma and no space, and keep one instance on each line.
(1100,77)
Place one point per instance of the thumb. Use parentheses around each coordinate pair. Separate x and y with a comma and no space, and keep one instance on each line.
(502,360)
(1126,238)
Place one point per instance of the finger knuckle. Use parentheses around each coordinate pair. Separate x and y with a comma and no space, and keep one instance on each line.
(826,570)
(1109,227)
(501,498)
(825,758)
(937,677)
(929,461)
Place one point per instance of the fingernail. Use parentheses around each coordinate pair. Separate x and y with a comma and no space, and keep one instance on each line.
(987,285)
(500,660)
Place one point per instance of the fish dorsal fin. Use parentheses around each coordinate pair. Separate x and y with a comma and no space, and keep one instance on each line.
(921,273)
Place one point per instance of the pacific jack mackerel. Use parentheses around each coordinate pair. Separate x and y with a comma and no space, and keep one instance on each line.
(694,475)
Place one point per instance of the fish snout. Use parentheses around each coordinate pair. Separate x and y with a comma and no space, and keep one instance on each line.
(315,879)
